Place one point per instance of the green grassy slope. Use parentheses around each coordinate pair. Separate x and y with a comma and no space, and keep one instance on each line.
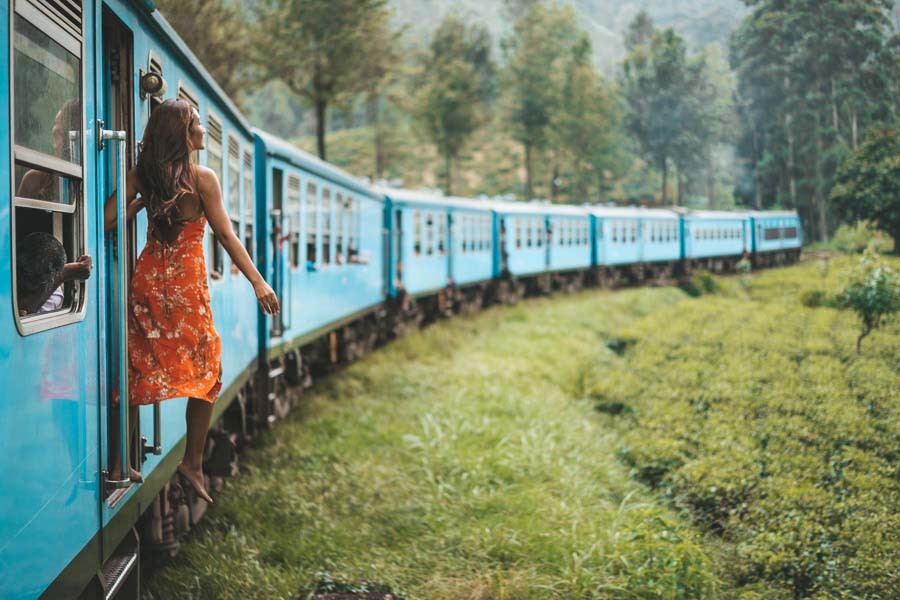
(756,413)
(459,463)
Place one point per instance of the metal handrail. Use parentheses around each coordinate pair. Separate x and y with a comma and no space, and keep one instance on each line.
(120,138)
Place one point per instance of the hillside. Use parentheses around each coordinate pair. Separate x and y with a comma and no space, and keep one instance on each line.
(702,22)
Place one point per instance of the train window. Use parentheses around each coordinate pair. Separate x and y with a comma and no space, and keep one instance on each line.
(518,232)
(234,189)
(771,233)
(472,232)
(249,203)
(429,234)
(417,233)
(48,207)
(790,233)
(538,232)
(442,231)
(488,232)
(291,219)
(615,231)
(312,224)
(633,231)
(340,208)
(326,226)
(214,162)
(356,236)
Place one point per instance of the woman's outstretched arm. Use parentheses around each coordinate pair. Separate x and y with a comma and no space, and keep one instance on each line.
(214,208)
(133,203)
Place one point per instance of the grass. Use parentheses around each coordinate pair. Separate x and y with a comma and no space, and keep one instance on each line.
(630,444)
(462,462)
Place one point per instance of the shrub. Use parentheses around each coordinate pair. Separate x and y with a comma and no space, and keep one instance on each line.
(758,418)
(701,282)
(858,237)
(873,293)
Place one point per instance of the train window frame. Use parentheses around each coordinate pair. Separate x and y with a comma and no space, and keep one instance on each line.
(310,206)
(538,233)
(293,204)
(71,218)
(340,200)
(326,222)
(215,126)
(429,233)
(417,233)
(234,191)
(442,232)
(248,202)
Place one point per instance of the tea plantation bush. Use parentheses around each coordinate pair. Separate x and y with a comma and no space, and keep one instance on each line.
(758,416)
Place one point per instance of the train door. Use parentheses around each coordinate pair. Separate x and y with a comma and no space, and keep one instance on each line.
(278,238)
(398,249)
(121,442)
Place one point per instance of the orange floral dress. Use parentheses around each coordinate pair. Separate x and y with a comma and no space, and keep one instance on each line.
(173,348)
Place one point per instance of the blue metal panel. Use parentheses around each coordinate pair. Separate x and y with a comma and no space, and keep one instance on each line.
(319,295)
(570,246)
(714,234)
(472,242)
(525,240)
(48,410)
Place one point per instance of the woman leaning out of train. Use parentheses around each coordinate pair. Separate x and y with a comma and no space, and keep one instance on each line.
(173,348)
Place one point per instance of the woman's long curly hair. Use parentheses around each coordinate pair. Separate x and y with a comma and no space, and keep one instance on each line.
(164,165)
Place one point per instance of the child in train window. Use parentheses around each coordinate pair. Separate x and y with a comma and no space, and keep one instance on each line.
(42,271)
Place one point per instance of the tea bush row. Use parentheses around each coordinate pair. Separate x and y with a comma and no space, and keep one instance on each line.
(757,415)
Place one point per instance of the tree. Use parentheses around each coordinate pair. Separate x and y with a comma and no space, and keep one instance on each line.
(672,105)
(873,293)
(216,33)
(452,89)
(325,51)
(640,32)
(586,125)
(535,52)
(811,75)
(868,183)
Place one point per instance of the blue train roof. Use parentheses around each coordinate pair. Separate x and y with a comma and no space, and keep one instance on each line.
(536,208)
(778,214)
(632,212)
(717,214)
(432,198)
(279,148)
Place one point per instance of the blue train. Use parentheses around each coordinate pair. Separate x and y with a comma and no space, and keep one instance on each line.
(353,266)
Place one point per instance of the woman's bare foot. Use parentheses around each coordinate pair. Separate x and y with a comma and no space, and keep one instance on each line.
(195,477)
(133,474)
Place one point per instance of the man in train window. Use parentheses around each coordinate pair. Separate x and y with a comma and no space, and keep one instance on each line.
(42,271)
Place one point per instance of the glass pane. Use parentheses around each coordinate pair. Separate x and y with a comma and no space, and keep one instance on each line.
(234,190)
(38,184)
(47,94)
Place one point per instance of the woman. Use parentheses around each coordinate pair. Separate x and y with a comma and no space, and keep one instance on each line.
(174,350)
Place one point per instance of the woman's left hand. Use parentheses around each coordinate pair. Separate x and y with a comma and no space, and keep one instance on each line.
(266,297)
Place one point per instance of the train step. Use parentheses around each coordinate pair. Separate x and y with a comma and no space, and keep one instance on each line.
(119,575)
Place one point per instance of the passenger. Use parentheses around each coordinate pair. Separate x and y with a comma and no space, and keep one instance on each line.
(41,185)
(41,271)
(174,350)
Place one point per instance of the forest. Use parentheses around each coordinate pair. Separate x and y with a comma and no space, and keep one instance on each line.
(753,104)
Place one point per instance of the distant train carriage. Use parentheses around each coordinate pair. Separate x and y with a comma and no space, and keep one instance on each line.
(776,236)
(321,244)
(441,246)
(632,241)
(716,239)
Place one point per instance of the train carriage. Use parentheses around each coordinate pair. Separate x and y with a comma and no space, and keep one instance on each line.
(715,238)
(776,236)
(442,246)
(83,78)
(321,244)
